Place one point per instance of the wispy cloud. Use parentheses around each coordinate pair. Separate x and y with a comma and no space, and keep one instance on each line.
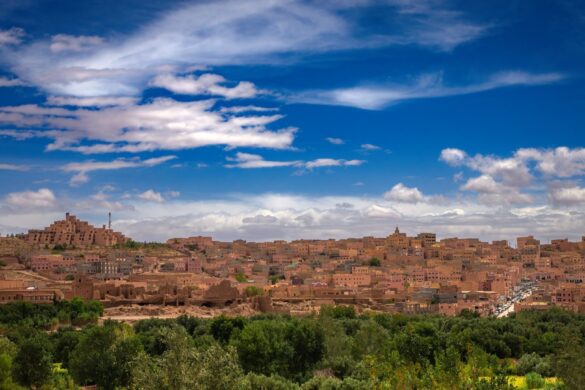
(81,169)
(6,82)
(370,147)
(219,33)
(254,161)
(152,196)
(374,97)
(67,43)
(335,141)
(12,36)
(101,101)
(13,167)
(205,84)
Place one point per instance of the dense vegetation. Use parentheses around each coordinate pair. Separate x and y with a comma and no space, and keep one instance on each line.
(336,349)
(131,244)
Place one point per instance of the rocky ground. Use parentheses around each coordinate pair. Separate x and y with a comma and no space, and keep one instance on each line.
(133,313)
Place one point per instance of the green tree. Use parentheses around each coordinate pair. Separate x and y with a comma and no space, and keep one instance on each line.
(33,362)
(64,343)
(286,348)
(104,356)
(338,347)
(223,327)
(370,339)
(569,363)
(254,381)
(263,348)
(183,367)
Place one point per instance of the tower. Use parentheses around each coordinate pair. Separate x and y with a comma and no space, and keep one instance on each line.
(110,220)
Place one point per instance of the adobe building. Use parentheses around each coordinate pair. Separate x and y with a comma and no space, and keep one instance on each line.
(74,232)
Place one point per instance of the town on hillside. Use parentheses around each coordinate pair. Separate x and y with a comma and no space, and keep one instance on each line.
(200,276)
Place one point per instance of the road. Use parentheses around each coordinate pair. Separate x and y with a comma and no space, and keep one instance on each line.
(509,306)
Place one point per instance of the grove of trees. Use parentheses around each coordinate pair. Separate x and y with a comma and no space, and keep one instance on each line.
(47,347)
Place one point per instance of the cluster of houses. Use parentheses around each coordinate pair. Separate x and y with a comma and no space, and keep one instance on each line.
(397,273)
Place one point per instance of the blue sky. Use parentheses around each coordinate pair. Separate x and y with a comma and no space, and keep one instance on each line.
(286,119)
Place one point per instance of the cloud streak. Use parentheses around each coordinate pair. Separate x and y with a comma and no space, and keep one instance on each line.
(375,97)
(255,161)
(228,32)
(81,169)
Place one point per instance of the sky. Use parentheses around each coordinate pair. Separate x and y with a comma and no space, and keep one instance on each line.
(264,120)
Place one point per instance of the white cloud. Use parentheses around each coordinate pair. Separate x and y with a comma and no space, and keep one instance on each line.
(401,193)
(561,162)
(102,201)
(457,177)
(244,109)
(567,196)
(6,82)
(206,84)
(102,101)
(492,192)
(152,196)
(513,171)
(484,184)
(66,43)
(558,162)
(260,219)
(430,24)
(250,161)
(20,135)
(452,156)
(161,124)
(335,141)
(43,198)
(13,167)
(82,168)
(11,36)
(375,97)
(502,179)
(370,147)
(331,162)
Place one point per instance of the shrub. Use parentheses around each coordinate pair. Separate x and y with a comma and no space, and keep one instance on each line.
(534,381)
(253,291)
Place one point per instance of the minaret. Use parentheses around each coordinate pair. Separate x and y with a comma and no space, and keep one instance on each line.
(110,220)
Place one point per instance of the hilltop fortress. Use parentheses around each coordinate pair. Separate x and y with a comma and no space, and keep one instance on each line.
(74,232)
